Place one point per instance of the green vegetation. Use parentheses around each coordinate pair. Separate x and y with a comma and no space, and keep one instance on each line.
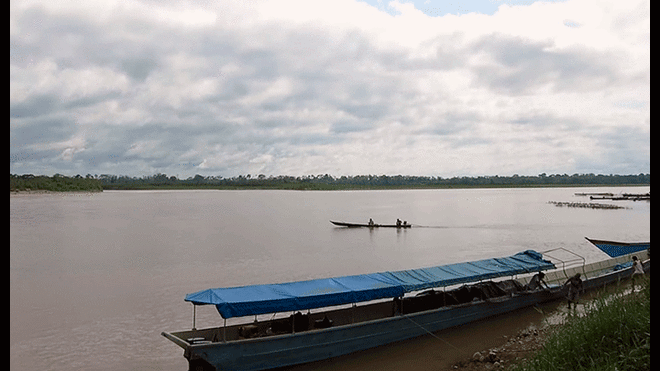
(329,182)
(56,183)
(614,334)
(314,182)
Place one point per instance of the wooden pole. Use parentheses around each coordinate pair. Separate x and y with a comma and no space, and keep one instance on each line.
(194,315)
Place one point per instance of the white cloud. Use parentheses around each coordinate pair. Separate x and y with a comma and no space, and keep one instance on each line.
(340,87)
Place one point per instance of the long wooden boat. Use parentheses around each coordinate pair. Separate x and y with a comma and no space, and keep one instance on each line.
(366,225)
(394,306)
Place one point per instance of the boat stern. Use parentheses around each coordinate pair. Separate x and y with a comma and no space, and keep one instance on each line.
(196,361)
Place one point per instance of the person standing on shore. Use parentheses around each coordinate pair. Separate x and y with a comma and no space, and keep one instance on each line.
(638,271)
(574,287)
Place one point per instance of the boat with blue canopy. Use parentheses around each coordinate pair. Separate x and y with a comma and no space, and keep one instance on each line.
(351,313)
(303,295)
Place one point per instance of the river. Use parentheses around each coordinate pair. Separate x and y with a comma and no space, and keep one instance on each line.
(96,277)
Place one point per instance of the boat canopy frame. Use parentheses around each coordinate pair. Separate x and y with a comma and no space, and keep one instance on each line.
(568,262)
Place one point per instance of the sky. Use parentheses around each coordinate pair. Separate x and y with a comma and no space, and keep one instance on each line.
(341,87)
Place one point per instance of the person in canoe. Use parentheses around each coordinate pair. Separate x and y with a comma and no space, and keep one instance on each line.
(371,222)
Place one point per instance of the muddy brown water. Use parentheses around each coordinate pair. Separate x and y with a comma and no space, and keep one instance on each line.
(95,278)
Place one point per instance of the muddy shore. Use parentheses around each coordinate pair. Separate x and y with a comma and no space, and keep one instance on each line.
(28,192)
(516,349)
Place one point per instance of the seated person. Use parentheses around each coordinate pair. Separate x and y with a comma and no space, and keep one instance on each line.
(537,282)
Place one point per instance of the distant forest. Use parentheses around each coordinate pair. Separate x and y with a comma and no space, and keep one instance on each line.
(90,182)
(56,183)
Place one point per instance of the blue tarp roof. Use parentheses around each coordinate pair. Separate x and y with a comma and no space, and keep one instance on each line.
(292,296)
(616,249)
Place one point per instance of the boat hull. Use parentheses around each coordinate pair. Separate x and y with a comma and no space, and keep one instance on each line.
(365,225)
(286,350)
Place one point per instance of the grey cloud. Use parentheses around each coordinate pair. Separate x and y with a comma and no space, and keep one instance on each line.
(622,150)
(547,121)
(43,130)
(340,127)
(110,147)
(39,105)
(138,68)
(529,65)
(632,144)
(457,122)
(61,38)
(35,106)
(90,100)
(30,143)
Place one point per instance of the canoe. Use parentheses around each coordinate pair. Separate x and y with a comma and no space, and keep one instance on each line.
(366,225)
(394,306)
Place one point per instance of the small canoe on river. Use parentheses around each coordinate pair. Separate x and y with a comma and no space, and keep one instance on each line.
(367,225)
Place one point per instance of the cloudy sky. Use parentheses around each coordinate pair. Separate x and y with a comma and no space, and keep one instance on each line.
(343,87)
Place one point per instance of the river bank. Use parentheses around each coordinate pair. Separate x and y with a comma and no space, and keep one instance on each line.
(615,314)
(513,350)
(37,192)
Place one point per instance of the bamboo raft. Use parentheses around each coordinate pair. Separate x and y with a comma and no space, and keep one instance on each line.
(587,205)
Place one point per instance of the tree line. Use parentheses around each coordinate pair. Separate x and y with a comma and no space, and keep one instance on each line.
(60,182)
(56,183)
(327,181)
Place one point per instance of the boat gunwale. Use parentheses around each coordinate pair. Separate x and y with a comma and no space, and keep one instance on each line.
(595,241)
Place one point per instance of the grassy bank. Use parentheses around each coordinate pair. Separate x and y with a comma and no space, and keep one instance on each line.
(614,334)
